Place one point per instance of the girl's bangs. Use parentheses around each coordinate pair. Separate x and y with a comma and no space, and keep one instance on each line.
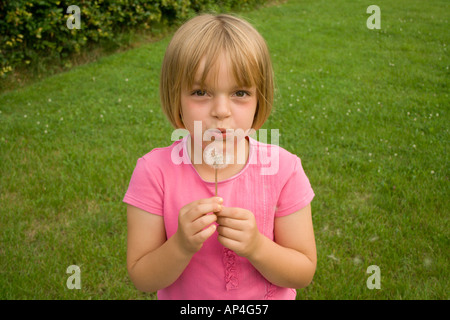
(244,66)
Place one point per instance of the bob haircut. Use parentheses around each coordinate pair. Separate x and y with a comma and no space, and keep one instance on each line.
(207,37)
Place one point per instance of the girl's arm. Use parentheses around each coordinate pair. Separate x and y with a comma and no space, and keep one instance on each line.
(289,260)
(153,262)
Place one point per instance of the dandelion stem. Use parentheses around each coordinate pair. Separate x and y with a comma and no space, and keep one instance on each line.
(215,178)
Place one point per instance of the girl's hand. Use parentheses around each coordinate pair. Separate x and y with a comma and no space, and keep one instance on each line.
(193,222)
(238,231)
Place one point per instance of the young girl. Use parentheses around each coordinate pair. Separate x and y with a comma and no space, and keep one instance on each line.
(253,241)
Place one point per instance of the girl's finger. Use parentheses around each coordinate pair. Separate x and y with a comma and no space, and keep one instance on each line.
(193,204)
(203,235)
(228,243)
(229,233)
(229,222)
(234,213)
(201,209)
(203,222)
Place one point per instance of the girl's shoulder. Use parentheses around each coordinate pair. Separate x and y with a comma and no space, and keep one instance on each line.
(276,159)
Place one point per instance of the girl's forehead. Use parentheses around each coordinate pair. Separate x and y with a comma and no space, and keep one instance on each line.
(212,71)
(218,69)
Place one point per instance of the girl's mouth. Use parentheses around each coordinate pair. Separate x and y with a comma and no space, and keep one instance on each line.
(221,133)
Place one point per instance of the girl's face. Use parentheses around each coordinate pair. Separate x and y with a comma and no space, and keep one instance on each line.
(221,104)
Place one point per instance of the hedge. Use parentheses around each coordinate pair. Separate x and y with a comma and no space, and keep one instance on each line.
(34,29)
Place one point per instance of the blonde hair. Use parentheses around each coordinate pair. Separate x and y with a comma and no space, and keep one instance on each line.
(206,37)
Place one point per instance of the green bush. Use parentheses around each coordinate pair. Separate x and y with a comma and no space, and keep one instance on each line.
(36,30)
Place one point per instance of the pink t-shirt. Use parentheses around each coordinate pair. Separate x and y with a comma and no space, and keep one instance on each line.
(272,184)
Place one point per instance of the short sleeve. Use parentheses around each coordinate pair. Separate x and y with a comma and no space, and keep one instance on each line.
(296,193)
(145,189)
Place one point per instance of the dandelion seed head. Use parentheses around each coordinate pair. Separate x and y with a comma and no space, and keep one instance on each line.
(215,157)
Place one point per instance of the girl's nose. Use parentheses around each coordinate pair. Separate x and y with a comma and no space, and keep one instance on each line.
(221,108)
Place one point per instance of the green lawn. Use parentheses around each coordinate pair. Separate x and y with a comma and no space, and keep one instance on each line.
(366,110)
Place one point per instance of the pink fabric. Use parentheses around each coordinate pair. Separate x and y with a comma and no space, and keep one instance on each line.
(162,187)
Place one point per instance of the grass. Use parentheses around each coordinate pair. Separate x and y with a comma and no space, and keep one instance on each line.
(366,110)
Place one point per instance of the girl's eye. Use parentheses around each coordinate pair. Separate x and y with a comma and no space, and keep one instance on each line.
(241,93)
(199,93)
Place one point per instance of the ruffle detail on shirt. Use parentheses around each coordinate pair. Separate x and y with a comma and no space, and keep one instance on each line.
(270,291)
(231,274)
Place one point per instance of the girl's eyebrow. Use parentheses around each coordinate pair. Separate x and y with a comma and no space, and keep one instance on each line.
(237,87)
(244,87)
(198,83)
